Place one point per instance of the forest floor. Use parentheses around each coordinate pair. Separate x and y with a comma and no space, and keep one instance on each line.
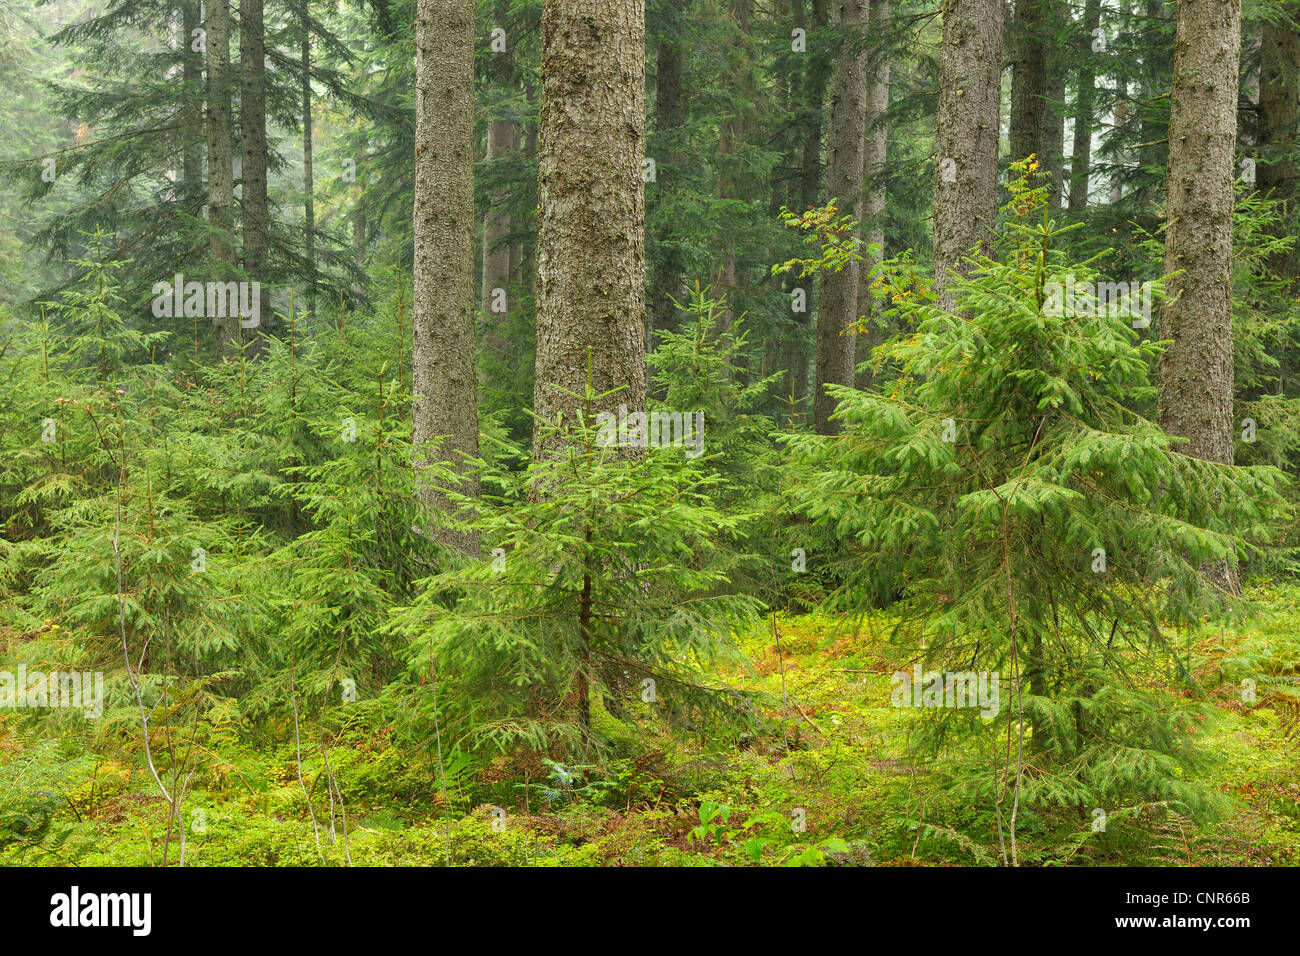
(834,784)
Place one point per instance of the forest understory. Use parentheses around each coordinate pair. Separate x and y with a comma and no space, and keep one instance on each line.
(656,433)
(841,756)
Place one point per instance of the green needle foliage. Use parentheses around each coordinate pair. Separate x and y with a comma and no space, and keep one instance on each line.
(1036,527)
(600,583)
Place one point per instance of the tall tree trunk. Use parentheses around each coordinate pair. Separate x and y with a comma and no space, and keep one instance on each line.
(1120,119)
(1084,111)
(252,121)
(527,265)
(1196,372)
(809,97)
(192,72)
(837,301)
(496,297)
(813,99)
(516,246)
(591,236)
(667,272)
(1153,152)
(873,171)
(1279,111)
(1248,83)
(966,136)
(496,256)
(308,179)
(1029,78)
(731,140)
(221,162)
(1053,136)
(358,225)
(445,415)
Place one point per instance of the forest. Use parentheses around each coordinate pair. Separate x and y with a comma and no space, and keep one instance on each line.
(649,433)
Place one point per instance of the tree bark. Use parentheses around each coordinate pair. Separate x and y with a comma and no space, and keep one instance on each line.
(591,235)
(667,273)
(1052,157)
(496,249)
(1119,116)
(1196,372)
(1084,112)
(740,84)
(1154,151)
(814,93)
(252,121)
(308,178)
(837,301)
(966,190)
(192,72)
(809,97)
(445,414)
(1028,79)
(358,225)
(873,171)
(221,162)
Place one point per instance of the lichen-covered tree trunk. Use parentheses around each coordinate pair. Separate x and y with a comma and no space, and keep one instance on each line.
(591,235)
(445,416)
(966,135)
(837,300)
(252,125)
(874,173)
(221,160)
(1196,371)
